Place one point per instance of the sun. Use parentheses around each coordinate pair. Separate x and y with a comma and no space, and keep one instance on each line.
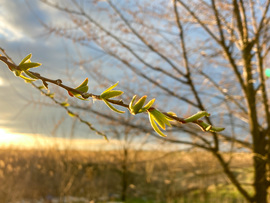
(1,84)
(10,139)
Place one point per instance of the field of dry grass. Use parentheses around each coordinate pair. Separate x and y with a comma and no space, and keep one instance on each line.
(133,176)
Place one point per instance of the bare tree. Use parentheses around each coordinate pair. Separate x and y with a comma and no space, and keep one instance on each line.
(191,55)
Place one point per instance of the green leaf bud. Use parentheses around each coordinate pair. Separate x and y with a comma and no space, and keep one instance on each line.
(196,116)
(154,125)
(30,74)
(65,104)
(26,66)
(71,114)
(111,94)
(26,59)
(172,114)
(83,84)
(111,87)
(134,109)
(160,118)
(27,79)
(147,106)
(81,89)
(138,107)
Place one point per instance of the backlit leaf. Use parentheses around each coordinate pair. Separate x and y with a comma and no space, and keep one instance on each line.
(30,74)
(154,126)
(83,84)
(26,59)
(26,66)
(197,116)
(111,107)
(111,94)
(65,104)
(148,105)
(27,79)
(110,88)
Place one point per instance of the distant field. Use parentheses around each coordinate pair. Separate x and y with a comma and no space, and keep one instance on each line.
(134,176)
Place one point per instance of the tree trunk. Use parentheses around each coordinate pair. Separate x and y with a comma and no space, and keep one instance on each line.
(258,137)
(260,182)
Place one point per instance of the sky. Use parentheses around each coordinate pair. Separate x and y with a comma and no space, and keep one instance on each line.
(23,113)
(22,121)
(25,122)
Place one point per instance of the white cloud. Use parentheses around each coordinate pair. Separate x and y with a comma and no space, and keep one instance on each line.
(9,31)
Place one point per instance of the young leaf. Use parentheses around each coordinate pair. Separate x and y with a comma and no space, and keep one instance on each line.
(172,114)
(160,118)
(26,59)
(147,106)
(139,104)
(110,88)
(82,89)
(154,126)
(196,116)
(30,74)
(132,101)
(216,129)
(80,97)
(83,84)
(207,127)
(138,107)
(111,107)
(65,104)
(134,109)
(26,66)
(17,73)
(71,114)
(51,95)
(111,94)
(27,79)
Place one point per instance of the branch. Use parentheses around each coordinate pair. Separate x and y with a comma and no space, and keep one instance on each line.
(51,96)
(187,66)
(157,118)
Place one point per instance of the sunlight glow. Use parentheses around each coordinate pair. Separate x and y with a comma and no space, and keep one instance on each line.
(10,139)
(2,83)
(32,141)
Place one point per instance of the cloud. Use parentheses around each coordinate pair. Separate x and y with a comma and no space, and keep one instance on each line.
(15,20)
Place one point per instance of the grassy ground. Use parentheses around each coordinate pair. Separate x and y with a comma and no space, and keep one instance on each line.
(136,176)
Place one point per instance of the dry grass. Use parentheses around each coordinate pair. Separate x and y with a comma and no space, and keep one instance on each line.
(148,175)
